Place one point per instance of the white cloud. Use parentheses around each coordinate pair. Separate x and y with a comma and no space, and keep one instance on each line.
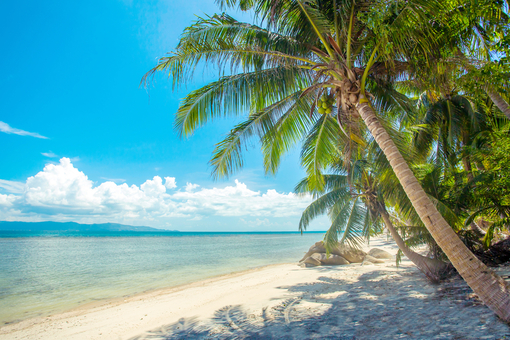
(60,185)
(170,183)
(4,127)
(190,187)
(7,200)
(49,154)
(62,192)
(154,187)
(115,180)
(12,186)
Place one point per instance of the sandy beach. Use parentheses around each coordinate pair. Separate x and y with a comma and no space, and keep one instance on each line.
(285,302)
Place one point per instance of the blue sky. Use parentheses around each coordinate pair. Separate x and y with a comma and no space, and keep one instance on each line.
(71,106)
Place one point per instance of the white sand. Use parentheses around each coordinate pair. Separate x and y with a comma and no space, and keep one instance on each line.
(361,302)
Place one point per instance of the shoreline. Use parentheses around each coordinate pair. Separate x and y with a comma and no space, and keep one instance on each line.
(154,292)
(283,300)
(54,283)
(25,329)
(124,298)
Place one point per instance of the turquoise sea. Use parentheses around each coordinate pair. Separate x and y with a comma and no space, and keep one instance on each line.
(42,273)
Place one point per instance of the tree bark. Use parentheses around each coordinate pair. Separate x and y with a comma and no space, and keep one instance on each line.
(491,288)
(477,230)
(496,98)
(432,268)
(499,101)
(467,167)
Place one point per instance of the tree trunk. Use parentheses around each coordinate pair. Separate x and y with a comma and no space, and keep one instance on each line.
(477,230)
(467,167)
(496,98)
(499,101)
(432,268)
(491,288)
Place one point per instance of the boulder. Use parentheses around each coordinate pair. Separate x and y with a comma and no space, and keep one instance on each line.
(333,260)
(367,263)
(380,254)
(350,254)
(318,247)
(373,259)
(313,260)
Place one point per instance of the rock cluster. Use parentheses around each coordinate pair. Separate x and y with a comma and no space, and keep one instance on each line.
(340,255)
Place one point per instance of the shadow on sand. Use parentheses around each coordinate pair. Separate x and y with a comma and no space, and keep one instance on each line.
(378,305)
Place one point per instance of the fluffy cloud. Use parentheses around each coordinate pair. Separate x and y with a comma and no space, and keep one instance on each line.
(170,183)
(190,187)
(60,191)
(61,185)
(6,201)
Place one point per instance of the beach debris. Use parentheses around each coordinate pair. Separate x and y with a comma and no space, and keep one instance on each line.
(497,254)
(380,254)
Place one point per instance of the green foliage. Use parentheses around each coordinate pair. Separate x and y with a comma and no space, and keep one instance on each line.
(296,77)
(488,193)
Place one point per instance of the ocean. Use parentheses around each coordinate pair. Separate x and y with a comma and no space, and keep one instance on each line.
(43,273)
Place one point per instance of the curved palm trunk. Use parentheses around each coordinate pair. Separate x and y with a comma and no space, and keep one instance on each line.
(432,268)
(496,98)
(499,101)
(491,288)
(477,230)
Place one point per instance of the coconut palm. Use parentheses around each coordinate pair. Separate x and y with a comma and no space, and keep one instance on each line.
(487,194)
(476,39)
(449,124)
(355,204)
(307,50)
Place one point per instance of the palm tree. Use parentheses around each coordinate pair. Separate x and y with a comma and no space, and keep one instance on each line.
(487,193)
(476,39)
(310,49)
(448,126)
(355,204)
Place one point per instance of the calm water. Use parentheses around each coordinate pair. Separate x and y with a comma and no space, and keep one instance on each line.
(47,272)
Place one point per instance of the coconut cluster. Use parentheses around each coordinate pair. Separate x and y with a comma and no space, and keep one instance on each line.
(325,105)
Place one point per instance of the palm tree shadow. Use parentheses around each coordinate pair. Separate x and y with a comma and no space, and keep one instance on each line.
(377,305)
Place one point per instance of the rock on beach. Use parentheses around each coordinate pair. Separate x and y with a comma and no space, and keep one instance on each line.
(342,255)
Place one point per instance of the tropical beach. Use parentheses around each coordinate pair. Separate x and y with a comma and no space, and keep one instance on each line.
(262,169)
(285,301)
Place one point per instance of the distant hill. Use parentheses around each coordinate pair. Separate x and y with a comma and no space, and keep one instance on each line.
(72,226)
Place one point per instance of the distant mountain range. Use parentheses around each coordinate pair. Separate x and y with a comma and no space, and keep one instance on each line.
(72,226)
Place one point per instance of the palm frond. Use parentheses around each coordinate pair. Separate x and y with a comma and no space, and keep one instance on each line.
(320,149)
(236,94)
(339,198)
